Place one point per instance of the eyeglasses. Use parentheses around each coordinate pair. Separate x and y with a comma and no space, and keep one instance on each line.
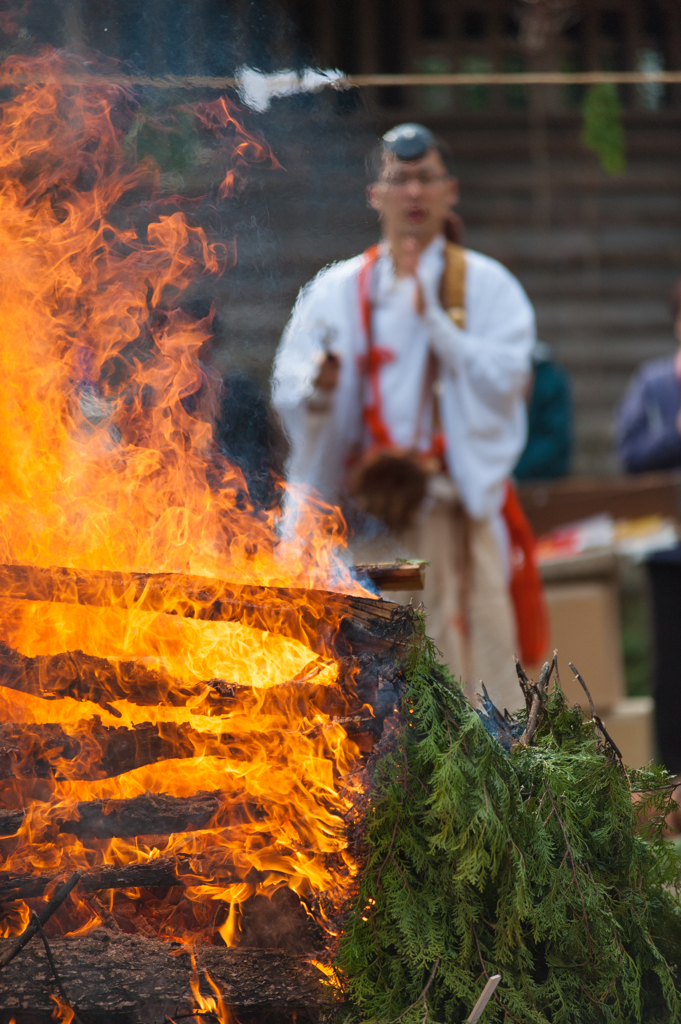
(402,179)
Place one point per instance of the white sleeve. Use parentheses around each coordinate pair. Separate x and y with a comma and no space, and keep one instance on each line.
(309,334)
(494,361)
(484,375)
(318,423)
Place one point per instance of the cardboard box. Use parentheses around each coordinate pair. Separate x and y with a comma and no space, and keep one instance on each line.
(585,630)
(631,726)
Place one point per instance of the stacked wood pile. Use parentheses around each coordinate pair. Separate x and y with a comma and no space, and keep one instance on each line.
(111,970)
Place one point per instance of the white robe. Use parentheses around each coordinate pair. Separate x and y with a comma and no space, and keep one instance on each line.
(483,371)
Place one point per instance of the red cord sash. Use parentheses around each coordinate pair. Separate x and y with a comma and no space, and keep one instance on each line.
(375,358)
(527,591)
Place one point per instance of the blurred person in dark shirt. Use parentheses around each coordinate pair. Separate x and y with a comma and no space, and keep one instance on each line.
(549,420)
(649,421)
(649,439)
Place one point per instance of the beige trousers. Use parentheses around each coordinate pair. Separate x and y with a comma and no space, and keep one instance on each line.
(487,656)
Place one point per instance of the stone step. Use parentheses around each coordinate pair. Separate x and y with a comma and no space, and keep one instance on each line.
(590,353)
(631,316)
(605,282)
(613,244)
(596,390)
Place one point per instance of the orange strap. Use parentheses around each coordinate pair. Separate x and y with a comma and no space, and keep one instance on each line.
(527,591)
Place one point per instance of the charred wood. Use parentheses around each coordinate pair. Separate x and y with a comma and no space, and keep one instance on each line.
(164,871)
(149,814)
(11,821)
(93,750)
(99,751)
(96,750)
(311,616)
(85,677)
(149,980)
(156,813)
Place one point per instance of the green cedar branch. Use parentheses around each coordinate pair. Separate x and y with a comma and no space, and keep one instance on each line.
(536,864)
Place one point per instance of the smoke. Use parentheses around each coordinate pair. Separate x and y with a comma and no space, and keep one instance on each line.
(249,436)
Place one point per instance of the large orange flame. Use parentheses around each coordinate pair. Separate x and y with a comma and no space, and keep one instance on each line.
(104,468)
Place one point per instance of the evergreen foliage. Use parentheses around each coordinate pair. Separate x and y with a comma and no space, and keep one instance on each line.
(545,864)
(602,130)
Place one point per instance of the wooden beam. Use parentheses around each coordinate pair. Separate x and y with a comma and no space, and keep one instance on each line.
(86,677)
(394,575)
(148,814)
(47,751)
(328,623)
(163,871)
(358,81)
(557,502)
(114,976)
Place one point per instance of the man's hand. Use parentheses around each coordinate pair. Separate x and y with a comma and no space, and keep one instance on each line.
(406,253)
(329,371)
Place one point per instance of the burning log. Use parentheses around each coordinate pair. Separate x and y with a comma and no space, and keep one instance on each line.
(149,814)
(47,751)
(98,751)
(305,615)
(394,575)
(117,973)
(86,677)
(163,871)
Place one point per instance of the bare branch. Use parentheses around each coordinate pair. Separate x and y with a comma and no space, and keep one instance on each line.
(535,707)
(42,919)
(597,719)
(55,972)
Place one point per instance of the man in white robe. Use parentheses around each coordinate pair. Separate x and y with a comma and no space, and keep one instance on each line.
(321,391)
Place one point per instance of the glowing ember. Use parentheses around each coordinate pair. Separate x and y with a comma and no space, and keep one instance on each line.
(104,468)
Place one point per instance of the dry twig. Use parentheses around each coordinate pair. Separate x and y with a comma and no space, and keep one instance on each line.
(597,719)
(524,682)
(55,972)
(40,919)
(535,707)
